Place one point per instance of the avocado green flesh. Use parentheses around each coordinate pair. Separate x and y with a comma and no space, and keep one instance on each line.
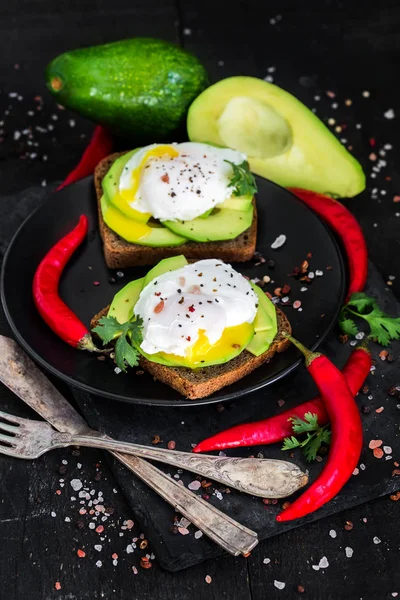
(237,203)
(124,301)
(138,86)
(221,224)
(110,183)
(265,324)
(283,139)
(164,266)
(157,236)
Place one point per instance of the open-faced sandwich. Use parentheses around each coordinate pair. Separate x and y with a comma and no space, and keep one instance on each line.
(196,327)
(164,200)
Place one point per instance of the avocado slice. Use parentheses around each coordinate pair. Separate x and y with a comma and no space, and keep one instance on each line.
(124,301)
(283,139)
(136,87)
(265,324)
(173,263)
(145,234)
(110,185)
(237,202)
(221,224)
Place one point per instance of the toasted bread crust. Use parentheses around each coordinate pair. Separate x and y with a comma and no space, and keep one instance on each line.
(199,383)
(120,254)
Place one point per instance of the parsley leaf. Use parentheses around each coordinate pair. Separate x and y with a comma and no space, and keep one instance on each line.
(128,336)
(290,442)
(310,423)
(315,436)
(383,328)
(242,180)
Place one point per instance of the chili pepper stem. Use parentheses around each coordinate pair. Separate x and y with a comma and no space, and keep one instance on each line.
(86,343)
(308,355)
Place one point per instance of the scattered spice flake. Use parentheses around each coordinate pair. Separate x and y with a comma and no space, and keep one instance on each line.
(395,497)
(348,526)
(171,445)
(165,178)
(114,556)
(57,585)
(145,563)
(208,579)
(278,243)
(375,444)
(378,452)
(99,529)
(81,553)
(156,440)
(396,198)
(379,410)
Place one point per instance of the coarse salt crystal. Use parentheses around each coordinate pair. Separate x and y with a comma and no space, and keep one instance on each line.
(279,584)
(278,243)
(389,114)
(194,485)
(323,563)
(76,485)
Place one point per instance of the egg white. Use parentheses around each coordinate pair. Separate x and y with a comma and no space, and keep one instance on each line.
(208,295)
(180,188)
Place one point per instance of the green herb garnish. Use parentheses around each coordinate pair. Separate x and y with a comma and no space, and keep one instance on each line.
(242,180)
(315,436)
(128,336)
(383,328)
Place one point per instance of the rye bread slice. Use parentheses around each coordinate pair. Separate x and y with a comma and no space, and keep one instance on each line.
(202,382)
(120,254)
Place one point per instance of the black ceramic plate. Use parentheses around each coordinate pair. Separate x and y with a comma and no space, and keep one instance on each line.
(279,213)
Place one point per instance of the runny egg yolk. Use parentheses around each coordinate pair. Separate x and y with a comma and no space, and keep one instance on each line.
(233,338)
(129,194)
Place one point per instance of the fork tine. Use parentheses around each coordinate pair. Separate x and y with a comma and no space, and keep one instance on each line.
(7,439)
(7,427)
(17,421)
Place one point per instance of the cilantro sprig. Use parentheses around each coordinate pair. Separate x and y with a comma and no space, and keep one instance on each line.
(128,336)
(383,328)
(242,180)
(315,436)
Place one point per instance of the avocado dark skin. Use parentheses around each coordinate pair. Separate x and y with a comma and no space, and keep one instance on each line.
(139,88)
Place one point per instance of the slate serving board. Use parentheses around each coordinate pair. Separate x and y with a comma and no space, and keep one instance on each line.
(187,425)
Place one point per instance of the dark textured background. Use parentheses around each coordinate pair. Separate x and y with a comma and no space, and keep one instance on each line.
(344,47)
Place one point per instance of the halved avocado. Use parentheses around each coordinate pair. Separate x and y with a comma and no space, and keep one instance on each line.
(173,263)
(110,184)
(221,224)
(283,139)
(124,301)
(145,234)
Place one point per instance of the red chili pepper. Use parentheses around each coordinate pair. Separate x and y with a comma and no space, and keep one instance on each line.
(99,147)
(347,228)
(275,429)
(347,437)
(53,310)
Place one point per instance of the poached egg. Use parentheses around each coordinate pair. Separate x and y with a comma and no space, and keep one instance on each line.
(178,182)
(199,312)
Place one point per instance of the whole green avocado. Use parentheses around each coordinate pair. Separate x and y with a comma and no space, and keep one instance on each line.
(139,86)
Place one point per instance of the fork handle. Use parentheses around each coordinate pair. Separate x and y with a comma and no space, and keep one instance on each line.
(232,536)
(267,478)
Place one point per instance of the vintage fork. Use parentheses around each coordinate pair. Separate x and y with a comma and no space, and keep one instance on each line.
(29,439)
